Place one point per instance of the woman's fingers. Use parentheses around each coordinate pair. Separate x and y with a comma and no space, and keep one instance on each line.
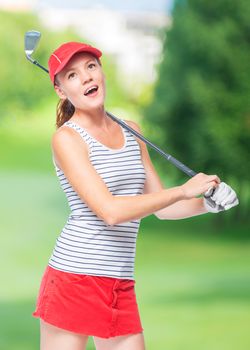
(224,194)
(223,197)
(213,178)
(233,204)
(210,183)
(201,184)
(221,192)
(213,185)
(229,199)
(209,192)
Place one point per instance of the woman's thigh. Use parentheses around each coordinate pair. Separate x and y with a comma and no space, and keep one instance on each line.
(123,342)
(52,338)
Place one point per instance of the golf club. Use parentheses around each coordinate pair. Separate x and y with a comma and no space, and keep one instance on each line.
(31,40)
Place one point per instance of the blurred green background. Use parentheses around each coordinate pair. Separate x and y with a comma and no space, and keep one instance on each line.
(192,275)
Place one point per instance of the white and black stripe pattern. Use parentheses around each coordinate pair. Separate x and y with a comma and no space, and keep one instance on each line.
(86,245)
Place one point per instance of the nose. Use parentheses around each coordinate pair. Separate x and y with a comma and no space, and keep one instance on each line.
(86,77)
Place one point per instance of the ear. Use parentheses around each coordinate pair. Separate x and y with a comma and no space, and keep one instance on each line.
(60,92)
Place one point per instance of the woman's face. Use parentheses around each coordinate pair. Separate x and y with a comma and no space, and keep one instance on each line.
(81,73)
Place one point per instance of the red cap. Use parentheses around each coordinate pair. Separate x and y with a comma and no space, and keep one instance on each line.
(61,56)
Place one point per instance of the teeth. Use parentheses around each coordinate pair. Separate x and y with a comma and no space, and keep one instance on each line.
(90,89)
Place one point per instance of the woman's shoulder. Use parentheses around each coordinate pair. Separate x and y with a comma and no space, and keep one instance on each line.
(66,135)
(137,128)
(133,125)
(62,132)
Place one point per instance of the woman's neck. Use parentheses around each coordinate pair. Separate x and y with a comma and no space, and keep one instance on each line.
(91,119)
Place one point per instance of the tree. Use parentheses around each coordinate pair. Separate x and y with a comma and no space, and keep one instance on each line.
(201,103)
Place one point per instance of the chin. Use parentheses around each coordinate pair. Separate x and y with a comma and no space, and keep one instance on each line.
(91,106)
(95,103)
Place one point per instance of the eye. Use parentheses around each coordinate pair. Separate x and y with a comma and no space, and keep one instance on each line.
(71,75)
(92,65)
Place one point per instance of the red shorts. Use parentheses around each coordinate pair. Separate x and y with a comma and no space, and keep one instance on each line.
(92,305)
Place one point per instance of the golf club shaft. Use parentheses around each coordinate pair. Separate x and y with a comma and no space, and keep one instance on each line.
(36,63)
(40,66)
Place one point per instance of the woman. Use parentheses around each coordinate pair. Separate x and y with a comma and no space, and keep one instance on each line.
(110,184)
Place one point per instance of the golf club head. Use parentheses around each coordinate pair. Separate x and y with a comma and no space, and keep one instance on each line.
(31,40)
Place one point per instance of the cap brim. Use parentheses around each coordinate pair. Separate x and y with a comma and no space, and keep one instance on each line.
(95,52)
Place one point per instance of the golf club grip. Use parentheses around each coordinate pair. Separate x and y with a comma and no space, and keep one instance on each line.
(181,166)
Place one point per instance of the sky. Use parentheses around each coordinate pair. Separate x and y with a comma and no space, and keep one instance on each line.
(121,5)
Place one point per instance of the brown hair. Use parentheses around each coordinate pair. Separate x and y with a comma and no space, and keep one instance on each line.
(65,109)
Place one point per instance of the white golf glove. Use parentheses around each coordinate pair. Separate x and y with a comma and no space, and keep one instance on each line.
(223,197)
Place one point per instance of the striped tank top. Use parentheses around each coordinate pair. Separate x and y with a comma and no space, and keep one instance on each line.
(86,244)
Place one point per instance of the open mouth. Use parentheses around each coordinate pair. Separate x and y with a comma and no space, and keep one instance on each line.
(91,91)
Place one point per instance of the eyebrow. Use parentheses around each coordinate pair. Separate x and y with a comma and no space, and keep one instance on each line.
(73,67)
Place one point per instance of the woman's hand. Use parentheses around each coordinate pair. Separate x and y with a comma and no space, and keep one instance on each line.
(224,198)
(199,184)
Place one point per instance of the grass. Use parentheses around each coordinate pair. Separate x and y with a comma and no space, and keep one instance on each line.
(192,279)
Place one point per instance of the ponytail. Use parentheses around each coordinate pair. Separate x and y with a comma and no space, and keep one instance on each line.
(64,112)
